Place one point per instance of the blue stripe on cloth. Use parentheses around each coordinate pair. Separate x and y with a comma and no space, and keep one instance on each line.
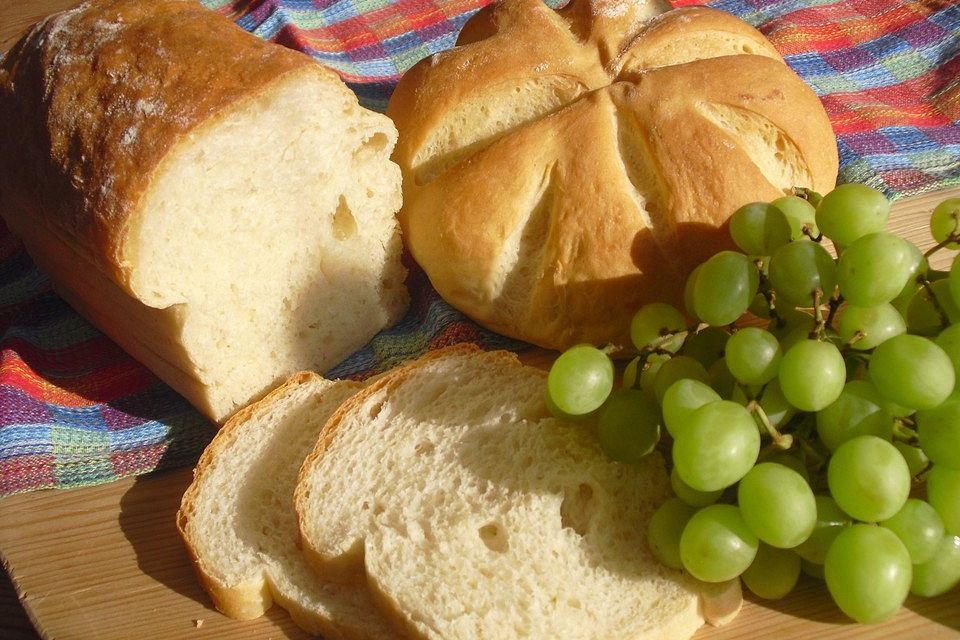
(25,439)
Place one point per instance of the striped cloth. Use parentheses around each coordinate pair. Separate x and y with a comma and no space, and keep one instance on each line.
(75,410)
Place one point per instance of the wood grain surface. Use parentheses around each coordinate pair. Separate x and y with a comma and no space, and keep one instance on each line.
(106,562)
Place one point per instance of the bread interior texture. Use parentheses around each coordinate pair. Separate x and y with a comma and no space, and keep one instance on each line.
(282,212)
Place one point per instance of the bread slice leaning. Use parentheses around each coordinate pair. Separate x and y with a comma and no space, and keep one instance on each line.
(238,522)
(472,513)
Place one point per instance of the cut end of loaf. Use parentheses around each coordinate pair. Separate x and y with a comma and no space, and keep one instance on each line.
(282,212)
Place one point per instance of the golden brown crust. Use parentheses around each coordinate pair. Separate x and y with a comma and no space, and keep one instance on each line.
(611,200)
(92,118)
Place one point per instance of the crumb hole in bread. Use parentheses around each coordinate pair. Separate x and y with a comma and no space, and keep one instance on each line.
(344,224)
(494,537)
(375,144)
(424,448)
(577,508)
(375,410)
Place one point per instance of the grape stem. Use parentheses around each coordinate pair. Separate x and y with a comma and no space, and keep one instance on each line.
(820,323)
(769,295)
(935,301)
(809,195)
(780,440)
(904,431)
(857,336)
(954,237)
(657,346)
(808,231)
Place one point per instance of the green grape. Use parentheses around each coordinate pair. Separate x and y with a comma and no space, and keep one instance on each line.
(760,307)
(773,573)
(650,370)
(799,212)
(868,478)
(724,288)
(945,221)
(580,380)
(924,315)
(831,520)
(812,569)
(912,371)
(707,345)
(798,334)
(777,504)
(630,373)
(774,405)
(677,368)
(790,319)
(681,399)
(688,289)
(812,374)
(759,228)
(790,458)
(753,355)
(943,494)
(851,211)
(875,324)
(798,269)
(653,322)
(919,527)
(868,573)
(721,379)
(716,545)
(940,574)
(690,495)
(629,425)
(919,267)
(858,411)
(664,530)
(953,280)
(916,459)
(939,430)
(874,269)
(717,446)
(949,341)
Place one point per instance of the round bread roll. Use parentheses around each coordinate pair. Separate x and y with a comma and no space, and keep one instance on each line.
(562,168)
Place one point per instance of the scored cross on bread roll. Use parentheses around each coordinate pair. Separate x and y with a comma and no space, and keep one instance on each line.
(220,206)
(561,168)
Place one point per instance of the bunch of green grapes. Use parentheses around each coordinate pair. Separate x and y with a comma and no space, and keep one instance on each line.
(806,405)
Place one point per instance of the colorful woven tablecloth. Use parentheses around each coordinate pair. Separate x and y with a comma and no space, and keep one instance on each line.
(76,410)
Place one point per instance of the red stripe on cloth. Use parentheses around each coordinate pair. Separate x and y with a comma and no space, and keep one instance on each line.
(25,473)
(907,103)
(127,463)
(387,22)
(836,27)
(101,381)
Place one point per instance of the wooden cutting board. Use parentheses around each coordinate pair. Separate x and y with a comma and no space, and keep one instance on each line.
(106,562)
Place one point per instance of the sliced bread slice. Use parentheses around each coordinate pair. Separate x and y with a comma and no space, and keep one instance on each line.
(238,522)
(472,513)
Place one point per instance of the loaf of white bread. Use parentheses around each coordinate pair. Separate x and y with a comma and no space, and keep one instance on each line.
(220,206)
(562,168)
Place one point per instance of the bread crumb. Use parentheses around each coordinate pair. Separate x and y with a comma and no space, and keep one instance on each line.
(198,623)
